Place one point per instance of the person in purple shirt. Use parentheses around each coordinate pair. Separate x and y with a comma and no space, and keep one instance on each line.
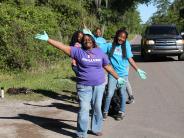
(91,62)
(100,41)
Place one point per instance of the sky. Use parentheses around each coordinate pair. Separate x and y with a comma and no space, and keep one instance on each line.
(146,11)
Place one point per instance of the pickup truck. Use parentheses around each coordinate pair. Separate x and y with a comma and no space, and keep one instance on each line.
(162,40)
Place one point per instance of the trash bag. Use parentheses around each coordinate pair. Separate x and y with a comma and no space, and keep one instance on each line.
(115,104)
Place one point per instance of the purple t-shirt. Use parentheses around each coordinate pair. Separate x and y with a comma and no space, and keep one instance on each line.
(90,65)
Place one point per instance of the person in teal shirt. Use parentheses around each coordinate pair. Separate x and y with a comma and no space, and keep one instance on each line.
(98,38)
(120,56)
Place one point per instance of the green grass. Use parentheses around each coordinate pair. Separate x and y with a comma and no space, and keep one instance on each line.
(45,81)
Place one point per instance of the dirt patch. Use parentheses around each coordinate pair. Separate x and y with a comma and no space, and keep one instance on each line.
(27,131)
(45,119)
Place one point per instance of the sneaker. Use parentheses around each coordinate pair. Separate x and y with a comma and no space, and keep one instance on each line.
(95,133)
(130,100)
(120,116)
(79,137)
(105,115)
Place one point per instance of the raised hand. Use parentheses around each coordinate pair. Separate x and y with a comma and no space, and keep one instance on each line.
(87,31)
(43,36)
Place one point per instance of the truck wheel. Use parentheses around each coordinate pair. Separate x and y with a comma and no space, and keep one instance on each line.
(181,57)
(142,53)
(145,56)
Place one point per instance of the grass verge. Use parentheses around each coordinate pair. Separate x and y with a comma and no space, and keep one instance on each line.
(45,82)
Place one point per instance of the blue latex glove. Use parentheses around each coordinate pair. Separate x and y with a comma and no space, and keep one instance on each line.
(87,31)
(43,37)
(142,74)
(121,82)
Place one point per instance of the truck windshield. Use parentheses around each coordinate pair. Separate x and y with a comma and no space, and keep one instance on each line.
(162,30)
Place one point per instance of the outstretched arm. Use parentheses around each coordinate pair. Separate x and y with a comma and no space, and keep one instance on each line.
(66,49)
(133,64)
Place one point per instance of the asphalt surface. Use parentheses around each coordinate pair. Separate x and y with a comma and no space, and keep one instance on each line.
(158,111)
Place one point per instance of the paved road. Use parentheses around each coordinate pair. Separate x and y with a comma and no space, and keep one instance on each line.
(158,111)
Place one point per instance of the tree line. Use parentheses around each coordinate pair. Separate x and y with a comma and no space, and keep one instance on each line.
(20,20)
(168,13)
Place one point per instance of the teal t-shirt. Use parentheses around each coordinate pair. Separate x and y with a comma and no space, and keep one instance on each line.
(118,62)
(101,42)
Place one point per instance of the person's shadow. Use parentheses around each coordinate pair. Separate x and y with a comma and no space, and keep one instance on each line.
(56,125)
(69,99)
(68,96)
(66,107)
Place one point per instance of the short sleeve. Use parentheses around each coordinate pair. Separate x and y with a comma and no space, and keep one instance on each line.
(128,49)
(73,52)
(105,60)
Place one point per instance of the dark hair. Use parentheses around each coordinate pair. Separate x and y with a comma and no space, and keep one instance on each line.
(115,42)
(74,38)
(98,28)
(92,39)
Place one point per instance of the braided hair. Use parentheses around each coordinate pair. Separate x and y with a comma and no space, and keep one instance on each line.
(115,43)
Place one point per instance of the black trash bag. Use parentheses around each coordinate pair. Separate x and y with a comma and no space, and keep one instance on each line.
(21,90)
(115,104)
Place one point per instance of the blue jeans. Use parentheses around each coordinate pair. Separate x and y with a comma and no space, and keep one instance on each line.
(128,86)
(112,85)
(89,96)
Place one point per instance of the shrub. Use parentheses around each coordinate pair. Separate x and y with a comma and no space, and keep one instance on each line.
(18,25)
